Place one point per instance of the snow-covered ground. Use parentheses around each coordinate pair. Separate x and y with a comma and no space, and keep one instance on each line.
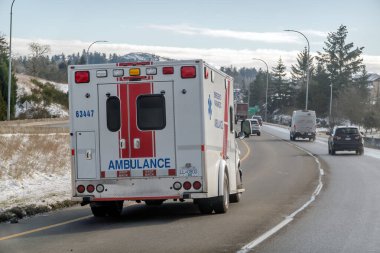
(34,169)
(25,86)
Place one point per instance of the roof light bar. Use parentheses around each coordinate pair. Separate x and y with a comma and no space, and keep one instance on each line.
(151,71)
(101,73)
(118,72)
(167,70)
(134,72)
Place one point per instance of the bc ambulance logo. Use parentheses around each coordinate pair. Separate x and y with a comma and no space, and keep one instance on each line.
(209,106)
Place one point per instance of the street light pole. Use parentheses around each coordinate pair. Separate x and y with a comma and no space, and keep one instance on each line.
(266,91)
(330,104)
(10,67)
(88,49)
(307,65)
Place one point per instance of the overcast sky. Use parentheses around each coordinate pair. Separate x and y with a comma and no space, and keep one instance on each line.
(221,32)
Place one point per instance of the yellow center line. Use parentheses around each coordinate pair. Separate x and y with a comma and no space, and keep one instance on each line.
(248,151)
(44,228)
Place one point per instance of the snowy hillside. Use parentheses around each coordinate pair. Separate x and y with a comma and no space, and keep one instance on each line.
(25,86)
(139,57)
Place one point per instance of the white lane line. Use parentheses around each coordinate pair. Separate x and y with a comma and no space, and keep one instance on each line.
(248,247)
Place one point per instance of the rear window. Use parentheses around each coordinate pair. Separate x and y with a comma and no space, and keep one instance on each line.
(349,130)
(113,113)
(151,112)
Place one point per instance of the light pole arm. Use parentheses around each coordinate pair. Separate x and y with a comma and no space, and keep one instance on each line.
(307,65)
(10,66)
(88,49)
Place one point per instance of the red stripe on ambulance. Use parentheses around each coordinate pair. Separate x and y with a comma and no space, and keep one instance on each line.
(225,127)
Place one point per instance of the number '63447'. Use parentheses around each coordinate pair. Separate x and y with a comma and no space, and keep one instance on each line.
(84,113)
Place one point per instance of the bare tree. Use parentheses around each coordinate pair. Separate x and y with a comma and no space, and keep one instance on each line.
(37,56)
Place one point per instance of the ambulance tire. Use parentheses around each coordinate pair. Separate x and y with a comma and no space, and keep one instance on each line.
(99,211)
(116,209)
(222,203)
(205,206)
(235,198)
(155,202)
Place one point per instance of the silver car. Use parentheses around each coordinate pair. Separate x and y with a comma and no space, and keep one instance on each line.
(255,127)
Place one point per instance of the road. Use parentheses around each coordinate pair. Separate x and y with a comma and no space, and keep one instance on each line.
(345,217)
(279,179)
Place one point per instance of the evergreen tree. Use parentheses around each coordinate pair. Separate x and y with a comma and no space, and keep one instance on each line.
(258,90)
(341,60)
(299,71)
(4,72)
(281,95)
(319,92)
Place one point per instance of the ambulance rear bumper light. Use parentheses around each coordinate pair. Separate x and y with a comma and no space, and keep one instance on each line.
(101,73)
(167,70)
(81,188)
(187,185)
(82,77)
(100,188)
(90,188)
(118,72)
(197,185)
(177,186)
(188,72)
(151,71)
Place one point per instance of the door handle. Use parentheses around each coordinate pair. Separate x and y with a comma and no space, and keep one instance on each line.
(123,144)
(88,154)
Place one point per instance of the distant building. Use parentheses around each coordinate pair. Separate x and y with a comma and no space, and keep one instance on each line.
(374,86)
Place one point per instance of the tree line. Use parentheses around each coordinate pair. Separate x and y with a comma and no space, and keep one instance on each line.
(337,69)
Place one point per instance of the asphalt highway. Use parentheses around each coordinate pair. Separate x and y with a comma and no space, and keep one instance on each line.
(279,178)
(345,217)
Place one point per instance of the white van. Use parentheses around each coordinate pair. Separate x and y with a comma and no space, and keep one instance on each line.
(153,131)
(303,125)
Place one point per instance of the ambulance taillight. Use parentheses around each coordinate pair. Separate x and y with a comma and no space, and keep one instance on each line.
(82,77)
(80,188)
(197,185)
(188,72)
(90,188)
(187,185)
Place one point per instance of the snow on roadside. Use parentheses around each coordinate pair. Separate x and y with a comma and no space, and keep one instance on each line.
(34,169)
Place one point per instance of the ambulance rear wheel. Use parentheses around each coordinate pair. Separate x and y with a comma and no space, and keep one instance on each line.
(99,211)
(235,198)
(115,209)
(205,206)
(222,203)
(154,202)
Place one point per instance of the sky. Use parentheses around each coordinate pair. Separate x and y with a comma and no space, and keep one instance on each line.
(223,33)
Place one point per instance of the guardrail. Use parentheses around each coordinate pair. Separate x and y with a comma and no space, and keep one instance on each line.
(371,142)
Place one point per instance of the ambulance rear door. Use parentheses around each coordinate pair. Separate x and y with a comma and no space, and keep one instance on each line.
(136,130)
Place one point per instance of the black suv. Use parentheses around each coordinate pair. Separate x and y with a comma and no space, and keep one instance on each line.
(345,138)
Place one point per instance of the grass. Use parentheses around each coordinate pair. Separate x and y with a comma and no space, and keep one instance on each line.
(22,155)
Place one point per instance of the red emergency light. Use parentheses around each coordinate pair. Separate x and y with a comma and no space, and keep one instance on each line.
(82,77)
(167,70)
(188,72)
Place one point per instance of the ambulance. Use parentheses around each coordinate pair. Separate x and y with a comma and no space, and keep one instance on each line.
(152,132)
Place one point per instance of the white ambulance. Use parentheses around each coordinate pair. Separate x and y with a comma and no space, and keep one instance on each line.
(153,131)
